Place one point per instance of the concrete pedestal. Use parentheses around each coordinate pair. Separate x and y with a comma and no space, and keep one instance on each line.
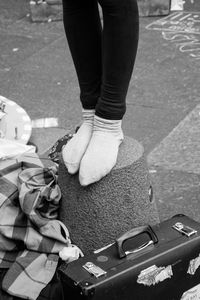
(99,213)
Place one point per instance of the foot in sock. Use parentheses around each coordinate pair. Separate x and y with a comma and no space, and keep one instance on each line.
(76,147)
(102,151)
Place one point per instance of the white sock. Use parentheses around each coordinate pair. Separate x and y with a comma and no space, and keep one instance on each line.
(76,147)
(102,151)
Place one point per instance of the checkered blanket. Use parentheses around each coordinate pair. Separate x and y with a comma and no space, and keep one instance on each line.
(30,234)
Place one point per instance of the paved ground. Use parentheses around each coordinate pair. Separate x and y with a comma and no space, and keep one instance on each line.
(162,104)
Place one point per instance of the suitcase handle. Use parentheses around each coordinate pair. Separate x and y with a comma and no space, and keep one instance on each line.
(132,233)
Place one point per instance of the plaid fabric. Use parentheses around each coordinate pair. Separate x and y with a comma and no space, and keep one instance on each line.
(30,234)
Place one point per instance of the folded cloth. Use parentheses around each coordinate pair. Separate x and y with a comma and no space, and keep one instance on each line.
(30,234)
(52,290)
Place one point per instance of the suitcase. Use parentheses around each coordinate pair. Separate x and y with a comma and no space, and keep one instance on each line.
(158,262)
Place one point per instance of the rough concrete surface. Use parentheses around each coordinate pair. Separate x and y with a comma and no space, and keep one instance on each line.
(180,150)
(117,203)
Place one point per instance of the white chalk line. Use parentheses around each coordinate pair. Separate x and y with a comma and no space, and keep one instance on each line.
(185,38)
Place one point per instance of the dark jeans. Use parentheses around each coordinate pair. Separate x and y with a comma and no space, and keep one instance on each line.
(103,58)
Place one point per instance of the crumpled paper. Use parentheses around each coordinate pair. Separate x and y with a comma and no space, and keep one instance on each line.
(70,253)
(11,148)
(194,265)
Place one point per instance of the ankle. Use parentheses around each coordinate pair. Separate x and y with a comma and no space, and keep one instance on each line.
(113,127)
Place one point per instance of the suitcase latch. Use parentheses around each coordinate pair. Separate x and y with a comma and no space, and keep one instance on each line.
(186,230)
(94,270)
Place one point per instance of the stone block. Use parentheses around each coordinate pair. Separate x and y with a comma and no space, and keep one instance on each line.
(153,7)
(98,214)
(46,11)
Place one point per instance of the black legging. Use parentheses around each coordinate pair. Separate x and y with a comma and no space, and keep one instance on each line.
(103,59)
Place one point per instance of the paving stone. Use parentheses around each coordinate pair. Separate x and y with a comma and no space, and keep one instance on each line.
(180,150)
(45,12)
(12,10)
(176,192)
(149,125)
(154,7)
(192,5)
(16,48)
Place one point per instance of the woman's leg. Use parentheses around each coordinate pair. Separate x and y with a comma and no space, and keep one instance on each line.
(119,47)
(119,41)
(83,31)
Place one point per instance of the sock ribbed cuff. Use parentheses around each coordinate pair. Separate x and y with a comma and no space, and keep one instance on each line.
(109,126)
(88,115)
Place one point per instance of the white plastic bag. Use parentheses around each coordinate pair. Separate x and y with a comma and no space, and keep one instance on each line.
(11,148)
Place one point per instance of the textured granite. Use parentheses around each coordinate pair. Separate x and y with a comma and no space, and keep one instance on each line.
(96,215)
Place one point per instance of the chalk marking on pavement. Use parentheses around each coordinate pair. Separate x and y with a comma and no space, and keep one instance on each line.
(181,24)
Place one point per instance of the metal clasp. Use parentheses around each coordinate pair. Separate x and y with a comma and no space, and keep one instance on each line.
(94,270)
(186,230)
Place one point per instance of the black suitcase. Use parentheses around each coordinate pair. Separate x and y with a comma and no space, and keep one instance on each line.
(159,263)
